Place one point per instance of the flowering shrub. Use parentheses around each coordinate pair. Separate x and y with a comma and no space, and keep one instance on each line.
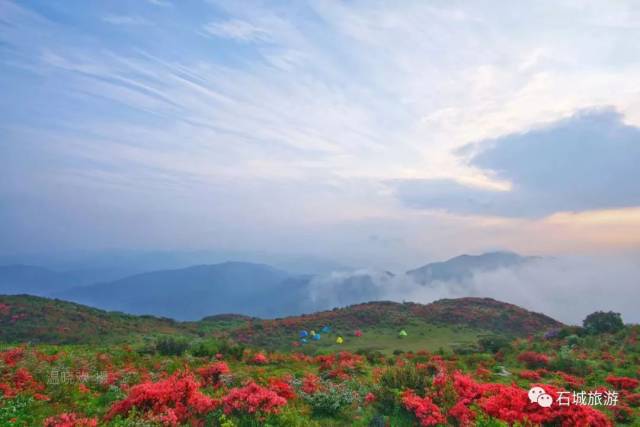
(369,398)
(622,414)
(511,404)
(310,384)
(483,372)
(260,359)
(427,413)
(529,375)
(70,420)
(570,380)
(252,399)
(211,373)
(12,356)
(282,388)
(623,383)
(533,360)
(172,401)
(340,366)
(18,382)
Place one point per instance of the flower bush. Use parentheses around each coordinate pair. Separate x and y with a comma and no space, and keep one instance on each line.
(533,360)
(260,359)
(70,420)
(252,399)
(427,413)
(623,383)
(211,373)
(172,401)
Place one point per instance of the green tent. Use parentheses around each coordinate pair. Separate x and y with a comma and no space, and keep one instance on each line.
(402,333)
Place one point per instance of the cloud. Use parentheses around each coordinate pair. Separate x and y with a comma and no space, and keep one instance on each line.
(585,162)
(162,3)
(125,20)
(237,30)
(565,288)
(306,123)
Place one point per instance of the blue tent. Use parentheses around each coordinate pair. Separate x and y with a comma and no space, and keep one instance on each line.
(304,334)
(316,337)
(325,329)
(304,340)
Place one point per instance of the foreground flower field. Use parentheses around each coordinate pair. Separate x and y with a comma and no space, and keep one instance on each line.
(224,384)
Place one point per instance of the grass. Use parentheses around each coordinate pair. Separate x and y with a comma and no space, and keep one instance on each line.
(421,336)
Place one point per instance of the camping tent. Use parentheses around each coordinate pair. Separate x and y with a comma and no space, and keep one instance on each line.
(339,340)
(316,337)
(325,329)
(358,333)
(304,334)
(402,333)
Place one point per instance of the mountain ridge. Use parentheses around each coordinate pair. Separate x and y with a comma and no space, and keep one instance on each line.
(29,318)
(462,267)
(248,288)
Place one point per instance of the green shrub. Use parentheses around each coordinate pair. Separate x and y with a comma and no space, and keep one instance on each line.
(169,346)
(17,411)
(394,381)
(463,350)
(566,362)
(603,322)
(205,349)
(332,399)
(494,343)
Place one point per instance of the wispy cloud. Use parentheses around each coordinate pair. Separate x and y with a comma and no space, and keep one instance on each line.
(162,3)
(125,20)
(237,30)
(308,121)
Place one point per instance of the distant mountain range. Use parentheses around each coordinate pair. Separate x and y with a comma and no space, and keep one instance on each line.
(464,266)
(28,279)
(194,292)
(235,287)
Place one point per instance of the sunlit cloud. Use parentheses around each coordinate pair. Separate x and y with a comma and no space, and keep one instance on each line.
(294,124)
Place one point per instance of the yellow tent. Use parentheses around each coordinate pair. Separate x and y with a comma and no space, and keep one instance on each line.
(312,333)
(339,340)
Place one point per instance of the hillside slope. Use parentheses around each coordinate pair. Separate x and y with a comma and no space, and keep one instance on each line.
(26,318)
(481,314)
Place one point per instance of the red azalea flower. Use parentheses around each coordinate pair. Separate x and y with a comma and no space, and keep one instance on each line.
(282,388)
(427,413)
(252,399)
(70,420)
(211,373)
(176,400)
(623,383)
(533,360)
(260,359)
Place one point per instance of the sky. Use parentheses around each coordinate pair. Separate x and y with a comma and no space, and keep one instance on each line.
(384,134)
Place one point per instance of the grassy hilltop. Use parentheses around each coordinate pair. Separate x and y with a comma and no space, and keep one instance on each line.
(463,362)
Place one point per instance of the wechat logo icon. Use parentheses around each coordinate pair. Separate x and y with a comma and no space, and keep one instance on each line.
(539,396)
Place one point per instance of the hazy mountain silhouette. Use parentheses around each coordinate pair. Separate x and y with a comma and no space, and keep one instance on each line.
(462,267)
(29,279)
(236,287)
(193,292)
